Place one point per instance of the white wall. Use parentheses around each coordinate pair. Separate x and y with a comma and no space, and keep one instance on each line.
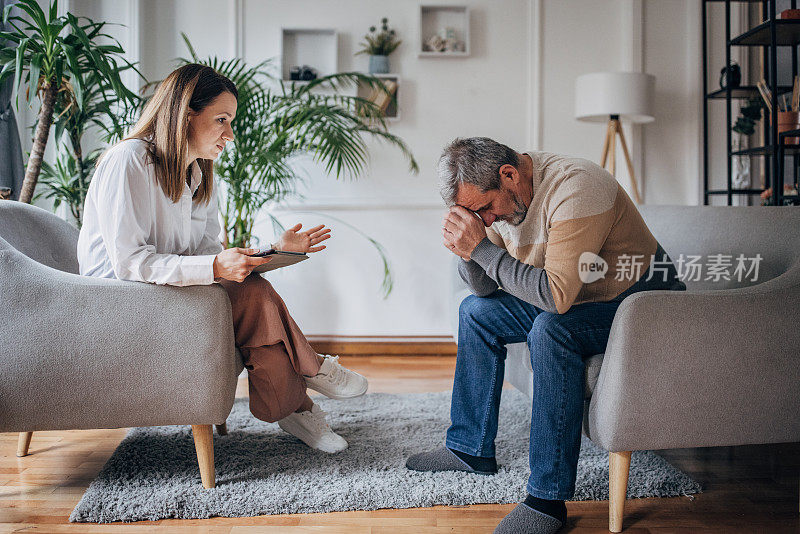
(672,149)
(517,86)
(660,37)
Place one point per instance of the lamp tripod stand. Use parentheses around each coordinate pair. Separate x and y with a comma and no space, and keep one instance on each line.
(610,150)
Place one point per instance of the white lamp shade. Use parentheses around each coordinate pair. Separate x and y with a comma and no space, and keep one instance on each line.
(627,94)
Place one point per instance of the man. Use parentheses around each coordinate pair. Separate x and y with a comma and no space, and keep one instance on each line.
(535,231)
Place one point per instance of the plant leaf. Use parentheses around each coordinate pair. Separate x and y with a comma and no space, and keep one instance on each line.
(18,65)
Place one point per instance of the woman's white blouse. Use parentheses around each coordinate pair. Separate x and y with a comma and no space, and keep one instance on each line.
(132,231)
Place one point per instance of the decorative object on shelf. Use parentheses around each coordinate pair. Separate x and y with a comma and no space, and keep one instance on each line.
(379,45)
(732,75)
(790,14)
(788,115)
(741,165)
(434,44)
(766,94)
(615,97)
(788,120)
(378,64)
(303,74)
(384,97)
(748,115)
(444,41)
(788,190)
(448,40)
(444,31)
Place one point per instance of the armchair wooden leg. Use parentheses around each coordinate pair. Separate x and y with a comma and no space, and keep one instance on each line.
(618,465)
(222,429)
(23,443)
(204,445)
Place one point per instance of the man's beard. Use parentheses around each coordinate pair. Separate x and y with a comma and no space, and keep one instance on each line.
(516,218)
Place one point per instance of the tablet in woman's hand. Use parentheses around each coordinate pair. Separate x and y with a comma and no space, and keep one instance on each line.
(263,253)
(280,258)
(272,251)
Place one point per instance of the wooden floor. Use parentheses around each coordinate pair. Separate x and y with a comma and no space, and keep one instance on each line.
(747,489)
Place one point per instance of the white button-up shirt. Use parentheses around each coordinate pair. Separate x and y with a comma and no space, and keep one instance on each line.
(133,231)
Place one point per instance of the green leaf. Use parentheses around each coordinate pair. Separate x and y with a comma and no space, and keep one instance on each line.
(31,7)
(7,13)
(189,46)
(75,74)
(35,69)
(10,38)
(18,65)
(7,70)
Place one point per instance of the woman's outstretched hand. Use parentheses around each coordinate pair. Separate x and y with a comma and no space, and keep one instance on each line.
(293,240)
(236,263)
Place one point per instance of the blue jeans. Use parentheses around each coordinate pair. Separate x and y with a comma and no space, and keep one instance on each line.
(558,344)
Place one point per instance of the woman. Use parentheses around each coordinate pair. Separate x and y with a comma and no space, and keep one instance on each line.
(151,216)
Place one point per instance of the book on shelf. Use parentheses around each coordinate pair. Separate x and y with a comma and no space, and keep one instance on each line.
(382,98)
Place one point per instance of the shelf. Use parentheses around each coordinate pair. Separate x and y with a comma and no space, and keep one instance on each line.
(787,33)
(744,92)
(443,54)
(315,47)
(788,150)
(736,191)
(444,21)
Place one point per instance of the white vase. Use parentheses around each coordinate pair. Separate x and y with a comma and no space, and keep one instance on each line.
(740,177)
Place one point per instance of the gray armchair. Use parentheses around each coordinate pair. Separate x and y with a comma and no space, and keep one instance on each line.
(716,365)
(80,352)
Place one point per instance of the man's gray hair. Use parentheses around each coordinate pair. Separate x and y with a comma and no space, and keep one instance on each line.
(476,161)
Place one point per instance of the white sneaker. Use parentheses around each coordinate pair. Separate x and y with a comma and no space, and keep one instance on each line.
(337,382)
(312,429)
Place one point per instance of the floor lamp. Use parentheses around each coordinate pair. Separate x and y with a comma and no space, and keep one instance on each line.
(615,97)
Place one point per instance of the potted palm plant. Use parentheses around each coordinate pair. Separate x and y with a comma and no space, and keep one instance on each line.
(378,45)
(277,121)
(67,179)
(51,56)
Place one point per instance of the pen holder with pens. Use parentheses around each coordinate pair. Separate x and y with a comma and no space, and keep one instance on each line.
(788,113)
(787,120)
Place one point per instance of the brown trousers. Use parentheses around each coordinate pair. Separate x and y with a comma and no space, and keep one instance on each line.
(276,353)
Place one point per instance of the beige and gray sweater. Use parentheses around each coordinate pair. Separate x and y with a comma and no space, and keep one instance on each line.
(577,208)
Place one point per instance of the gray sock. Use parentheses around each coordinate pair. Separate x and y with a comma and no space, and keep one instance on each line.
(441,459)
(525,520)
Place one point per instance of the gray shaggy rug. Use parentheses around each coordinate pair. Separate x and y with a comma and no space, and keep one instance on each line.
(153,474)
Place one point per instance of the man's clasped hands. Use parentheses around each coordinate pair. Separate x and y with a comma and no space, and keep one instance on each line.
(462,230)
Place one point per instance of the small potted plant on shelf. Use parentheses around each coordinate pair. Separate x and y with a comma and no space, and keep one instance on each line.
(378,45)
(749,114)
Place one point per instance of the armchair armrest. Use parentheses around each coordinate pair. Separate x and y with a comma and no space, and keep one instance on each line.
(701,368)
(83,352)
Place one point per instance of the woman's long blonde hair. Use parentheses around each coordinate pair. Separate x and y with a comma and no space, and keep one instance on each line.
(164,125)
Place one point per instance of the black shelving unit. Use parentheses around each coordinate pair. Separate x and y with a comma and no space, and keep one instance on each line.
(782,148)
(768,35)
